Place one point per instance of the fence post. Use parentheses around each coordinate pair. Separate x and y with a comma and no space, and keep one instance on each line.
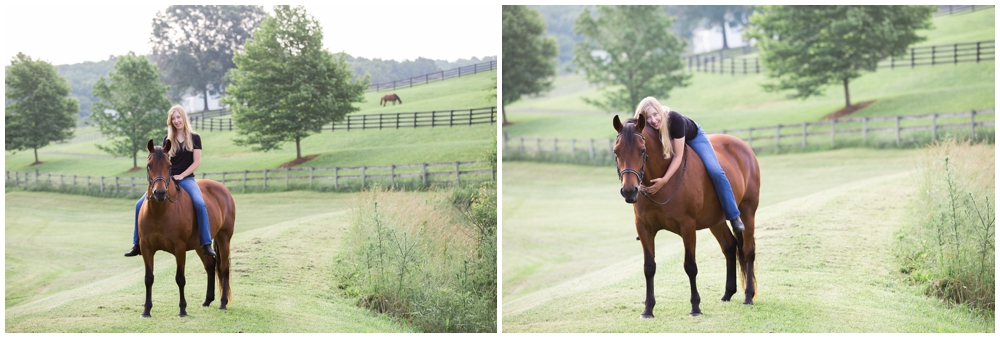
(286,177)
(265,178)
(36,176)
(956,53)
(538,144)
(591,149)
(805,133)
(933,126)
(88,181)
(457,174)
(750,138)
(451,117)
(116,183)
(470,117)
(973,116)
(49,181)
(572,146)
(756,62)
(336,177)
(897,129)
(555,145)
(864,130)
(131,184)
(977,52)
(777,137)
(363,174)
(833,132)
(433,117)
(744,66)
(522,144)
(17,181)
(392,175)
(423,174)
(310,177)
(245,179)
(933,48)
(732,67)
(223,178)
(102,182)
(912,60)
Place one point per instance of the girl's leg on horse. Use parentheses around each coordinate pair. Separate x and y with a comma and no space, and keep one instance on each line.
(135,230)
(189,185)
(703,147)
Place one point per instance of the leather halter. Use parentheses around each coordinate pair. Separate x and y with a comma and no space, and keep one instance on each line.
(639,174)
(160,178)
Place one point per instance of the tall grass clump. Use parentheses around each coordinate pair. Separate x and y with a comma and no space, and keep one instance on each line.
(949,246)
(428,258)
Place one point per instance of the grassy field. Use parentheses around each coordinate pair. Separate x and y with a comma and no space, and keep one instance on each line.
(65,272)
(341,148)
(729,102)
(825,263)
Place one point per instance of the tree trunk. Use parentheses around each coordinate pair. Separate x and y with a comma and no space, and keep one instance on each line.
(504,113)
(847,93)
(298,149)
(36,155)
(134,162)
(205,90)
(722,23)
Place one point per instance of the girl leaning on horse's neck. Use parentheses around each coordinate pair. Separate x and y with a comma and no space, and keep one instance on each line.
(185,157)
(675,131)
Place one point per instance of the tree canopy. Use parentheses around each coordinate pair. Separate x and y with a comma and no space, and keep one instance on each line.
(631,46)
(193,45)
(133,106)
(39,109)
(528,57)
(81,77)
(286,86)
(806,48)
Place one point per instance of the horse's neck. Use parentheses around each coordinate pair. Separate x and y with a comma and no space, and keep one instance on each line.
(656,166)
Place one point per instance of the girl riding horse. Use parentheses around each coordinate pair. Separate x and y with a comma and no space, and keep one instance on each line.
(185,157)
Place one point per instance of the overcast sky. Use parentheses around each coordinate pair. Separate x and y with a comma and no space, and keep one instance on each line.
(67,34)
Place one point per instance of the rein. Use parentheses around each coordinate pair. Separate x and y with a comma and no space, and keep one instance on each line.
(639,174)
(681,181)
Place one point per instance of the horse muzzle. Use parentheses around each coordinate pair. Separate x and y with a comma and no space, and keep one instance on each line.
(160,194)
(631,194)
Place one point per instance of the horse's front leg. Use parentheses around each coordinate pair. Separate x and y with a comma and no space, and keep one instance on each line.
(647,238)
(180,254)
(147,260)
(689,237)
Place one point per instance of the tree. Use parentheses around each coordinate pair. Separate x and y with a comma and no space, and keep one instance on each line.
(193,45)
(528,58)
(39,109)
(631,46)
(286,86)
(806,48)
(133,105)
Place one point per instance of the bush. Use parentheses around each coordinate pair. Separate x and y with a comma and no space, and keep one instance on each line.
(949,247)
(429,258)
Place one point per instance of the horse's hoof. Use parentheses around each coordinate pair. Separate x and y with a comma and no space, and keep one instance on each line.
(222,307)
(695,314)
(727,298)
(206,304)
(748,302)
(645,316)
(145,315)
(182,315)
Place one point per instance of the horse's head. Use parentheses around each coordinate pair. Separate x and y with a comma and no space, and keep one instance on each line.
(158,170)
(630,155)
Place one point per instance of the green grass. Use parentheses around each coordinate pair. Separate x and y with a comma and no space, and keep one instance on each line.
(824,257)
(64,270)
(720,102)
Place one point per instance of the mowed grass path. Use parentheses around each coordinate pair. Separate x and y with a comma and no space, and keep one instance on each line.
(824,254)
(720,102)
(65,272)
(341,148)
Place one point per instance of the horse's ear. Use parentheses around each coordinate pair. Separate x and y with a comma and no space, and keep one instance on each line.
(618,124)
(641,123)
(166,146)
(149,145)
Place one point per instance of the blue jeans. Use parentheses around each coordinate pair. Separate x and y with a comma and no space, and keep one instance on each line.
(704,149)
(189,185)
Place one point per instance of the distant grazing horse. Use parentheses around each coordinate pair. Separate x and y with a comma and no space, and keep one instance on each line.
(390,98)
(169,224)
(688,202)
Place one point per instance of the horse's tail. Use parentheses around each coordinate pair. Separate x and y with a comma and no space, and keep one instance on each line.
(381,100)
(398,99)
(741,260)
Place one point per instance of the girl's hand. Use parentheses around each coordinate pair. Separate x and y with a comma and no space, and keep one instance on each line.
(178,177)
(651,190)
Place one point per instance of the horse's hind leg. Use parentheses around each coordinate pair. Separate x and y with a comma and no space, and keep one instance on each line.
(222,250)
(728,244)
(180,255)
(750,253)
(689,238)
(209,263)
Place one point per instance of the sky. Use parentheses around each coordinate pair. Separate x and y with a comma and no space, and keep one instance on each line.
(68,34)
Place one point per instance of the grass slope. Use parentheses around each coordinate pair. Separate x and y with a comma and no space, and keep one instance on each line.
(341,148)
(820,269)
(65,273)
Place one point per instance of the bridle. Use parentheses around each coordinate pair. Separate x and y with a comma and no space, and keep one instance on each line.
(639,174)
(159,178)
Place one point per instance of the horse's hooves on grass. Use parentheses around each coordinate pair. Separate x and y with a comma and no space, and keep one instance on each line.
(182,315)
(144,315)
(727,298)
(222,307)
(748,302)
(645,316)
(695,314)
(206,304)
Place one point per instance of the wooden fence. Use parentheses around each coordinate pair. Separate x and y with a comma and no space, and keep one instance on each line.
(423,174)
(436,76)
(860,130)
(960,9)
(436,118)
(917,56)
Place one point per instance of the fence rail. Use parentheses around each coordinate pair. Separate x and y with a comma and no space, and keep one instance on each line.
(917,56)
(959,9)
(436,118)
(863,130)
(422,174)
(436,76)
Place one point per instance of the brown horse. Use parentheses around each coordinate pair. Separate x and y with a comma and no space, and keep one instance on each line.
(390,98)
(688,202)
(168,223)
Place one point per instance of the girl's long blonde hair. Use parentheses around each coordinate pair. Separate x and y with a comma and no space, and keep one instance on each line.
(650,102)
(172,134)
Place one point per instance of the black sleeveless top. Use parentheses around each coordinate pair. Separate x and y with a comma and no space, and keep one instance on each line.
(182,158)
(681,126)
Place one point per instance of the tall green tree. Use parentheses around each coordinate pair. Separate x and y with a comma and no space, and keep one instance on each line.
(722,16)
(132,108)
(286,86)
(39,109)
(630,46)
(806,48)
(193,45)
(529,59)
